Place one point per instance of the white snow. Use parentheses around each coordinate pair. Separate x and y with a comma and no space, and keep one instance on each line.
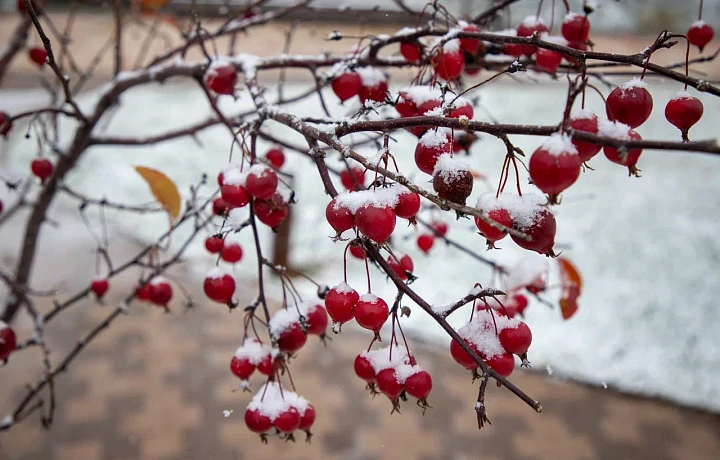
(380,197)
(234,177)
(532,21)
(94,278)
(559,144)
(420,93)
(254,351)
(283,320)
(436,112)
(272,400)
(452,46)
(527,270)
(698,23)
(380,358)
(405,31)
(613,129)
(449,166)
(636,82)
(158,280)
(370,76)
(684,94)
(482,333)
(434,138)
(343,288)
(369,297)
(523,209)
(217,272)
(571,16)
(258,170)
(404,371)
(3,325)
(583,114)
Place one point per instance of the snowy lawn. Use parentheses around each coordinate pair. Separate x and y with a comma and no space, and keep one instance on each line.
(647,248)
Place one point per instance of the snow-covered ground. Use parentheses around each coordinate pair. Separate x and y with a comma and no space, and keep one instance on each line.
(647,248)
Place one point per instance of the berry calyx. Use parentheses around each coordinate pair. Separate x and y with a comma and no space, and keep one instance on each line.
(585,120)
(214,244)
(419,385)
(231,252)
(364,369)
(555,165)
(425,242)
(292,339)
(375,221)
(339,216)
(449,60)
(340,303)
(700,33)
(160,291)
(219,285)
(516,340)
(99,286)
(353,179)
(241,367)
(411,50)
(271,212)
(221,78)
(575,28)
(257,422)
(408,205)
(38,55)
(307,419)
(275,157)
(401,267)
(492,234)
(683,111)
(629,103)
(388,384)
(346,85)
(261,182)
(42,168)
(8,341)
(371,312)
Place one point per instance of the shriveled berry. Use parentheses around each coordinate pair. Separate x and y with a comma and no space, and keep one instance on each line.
(542,231)
(455,186)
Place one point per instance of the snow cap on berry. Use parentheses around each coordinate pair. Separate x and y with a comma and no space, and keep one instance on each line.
(217,273)
(555,39)
(405,371)
(583,114)
(255,351)
(370,76)
(99,278)
(3,325)
(271,400)
(505,32)
(481,332)
(419,94)
(698,23)
(381,197)
(634,83)
(343,288)
(613,129)
(158,280)
(283,320)
(448,166)
(234,177)
(571,16)
(218,62)
(380,359)
(435,137)
(559,144)
(684,94)
(532,21)
(524,210)
(453,45)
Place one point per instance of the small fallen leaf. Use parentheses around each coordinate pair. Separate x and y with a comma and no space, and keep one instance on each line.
(163,189)
(571,287)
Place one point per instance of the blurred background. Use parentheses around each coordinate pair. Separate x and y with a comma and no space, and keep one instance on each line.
(634,374)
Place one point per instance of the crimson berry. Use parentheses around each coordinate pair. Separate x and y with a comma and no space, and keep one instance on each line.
(275,157)
(292,339)
(419,385)
(288,420)
(684,111)
(548,60)
(449,61)
(242,368)
(463,108)
(160,292)
(555,165)
(516,340)
(527,28)
(542,231)
(520,302)
(502,364)
(371,312)
(99,286)
(429,148)
(267,365)
(454,184)
(461,356)
(364,369)
(235,196)
(307,419)
(630,157)
(411,50)
(42,168)
(425,242)
(339,216)
(271,212)
(630,103)
(219,285)
(374,85)
(38,55)
(143,293)
(575,28)
(470,45)
(388,384)
(221,78)
(699,34)
(346,85)
(357,251)
(587,121)
(405,107)
(513,49)
(429,105)
(5,127)
(340,303)
(501,216)
(402,267)
(231,252)
(317,321)
(214,244)
(261,182)
(375,221)
(440,227)
(408,205)
(350,178)
(220,207)
(8,341)
(257,422)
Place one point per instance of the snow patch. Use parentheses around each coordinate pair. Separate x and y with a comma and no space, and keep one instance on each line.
(684,94)
(420,93)
(634,83)
(527,271)
(343,288)
(405,371)
(583,114)
(481,332)
(370,76)
(283,320)
(613,129)
(435,138)
(380,197)
(448,167)
(532,21)
(234,177)
(216,273)
(254,351)
(559,144)
(380,359)
(524,210)
(272,399)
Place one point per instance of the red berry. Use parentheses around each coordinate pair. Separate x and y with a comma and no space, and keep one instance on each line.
(419,385)
(5,128)
(340,303)
(242,368)
(576,28)
(429,105)
(214,244)
(629,103)
(8,341)
(463,108)
(317,321)
(401,267)
(42,168)
(516,340)
(221,78)
(588,122)
(502,364)
(160,292)
(548,60)
(449,61)
(699,34)
(631,156)
(220,207)
(288,420)
(261,182)
(231,252)
(307,419)
(346,85)
(339,216)
(542,231)
(452,181)
(429,148)
(364,369)
(425,242)
(235,196)
(292,339)
(519,302)
(100,286)
(374,85)
(371,312)
(275,157)
(406,108)
(375,221)
(461,356)
(684,111)
(440,227)
(257,422)
(143,293)
(388,384)
(267,365)
(357,251)
(38,55)
(219,286)
(408,205)
(271,212)
(470,45)
(411,51)
(527,28)
(513,49)
(501,216)
(555,165)
(349,180)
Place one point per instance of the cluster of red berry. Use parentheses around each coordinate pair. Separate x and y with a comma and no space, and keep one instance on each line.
(274,406)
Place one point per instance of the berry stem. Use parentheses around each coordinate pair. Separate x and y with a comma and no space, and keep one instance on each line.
(661,36)
(367,271)
(700,11)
